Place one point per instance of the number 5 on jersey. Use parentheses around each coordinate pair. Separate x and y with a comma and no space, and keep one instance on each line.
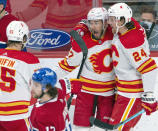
(7,82)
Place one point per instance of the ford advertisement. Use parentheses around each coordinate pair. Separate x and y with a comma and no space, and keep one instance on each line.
(47,39)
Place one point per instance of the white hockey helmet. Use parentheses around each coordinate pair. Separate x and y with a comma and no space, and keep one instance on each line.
(17,30)
(97,13)
(120,10)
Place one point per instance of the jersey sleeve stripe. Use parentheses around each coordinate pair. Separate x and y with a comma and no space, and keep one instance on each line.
(149,69)
(142,66)
(65,66)
(147,66)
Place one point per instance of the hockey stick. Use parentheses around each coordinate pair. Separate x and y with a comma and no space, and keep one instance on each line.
(84,50)
(104,125)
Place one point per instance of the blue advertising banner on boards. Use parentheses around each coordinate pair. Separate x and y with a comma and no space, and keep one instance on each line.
(47,39)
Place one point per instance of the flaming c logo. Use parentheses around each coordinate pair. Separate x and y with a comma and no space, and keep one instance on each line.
(101,61)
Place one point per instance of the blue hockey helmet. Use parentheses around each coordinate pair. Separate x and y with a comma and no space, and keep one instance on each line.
(4,3)
(45,76)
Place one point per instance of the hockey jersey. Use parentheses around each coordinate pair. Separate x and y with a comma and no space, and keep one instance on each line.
(134,69)
(16,69)
(4,21)
(50,115)
(97,75)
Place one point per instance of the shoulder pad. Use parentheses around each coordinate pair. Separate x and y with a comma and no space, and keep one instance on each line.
(133,38)
(23,56)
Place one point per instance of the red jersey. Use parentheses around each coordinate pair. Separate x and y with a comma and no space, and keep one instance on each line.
(49,115)
(4,21)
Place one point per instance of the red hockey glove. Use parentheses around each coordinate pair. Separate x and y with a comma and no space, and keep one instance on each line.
(82,27)
(149,102)
(72,85)
(76,86)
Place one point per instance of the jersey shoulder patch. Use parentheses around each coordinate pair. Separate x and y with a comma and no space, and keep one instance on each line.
(133,38)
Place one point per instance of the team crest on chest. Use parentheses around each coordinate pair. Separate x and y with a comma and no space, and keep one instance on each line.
(101,61)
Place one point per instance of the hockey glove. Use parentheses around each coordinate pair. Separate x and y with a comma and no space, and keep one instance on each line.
(82,27)
(71,85)
(149,102)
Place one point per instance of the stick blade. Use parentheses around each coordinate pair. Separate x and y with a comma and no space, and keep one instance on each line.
(101,124)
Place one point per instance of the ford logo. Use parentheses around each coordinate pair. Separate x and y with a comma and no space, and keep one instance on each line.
(47,39)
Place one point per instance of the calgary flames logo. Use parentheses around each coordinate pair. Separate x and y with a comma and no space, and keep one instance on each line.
(101,61)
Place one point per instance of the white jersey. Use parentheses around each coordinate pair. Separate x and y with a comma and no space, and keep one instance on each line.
(134,69)
(16,69)
(97,75)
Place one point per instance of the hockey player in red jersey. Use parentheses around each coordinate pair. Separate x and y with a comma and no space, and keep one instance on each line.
(50,112)
(134,69)
(97,77)
(5,19)
(16,70)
